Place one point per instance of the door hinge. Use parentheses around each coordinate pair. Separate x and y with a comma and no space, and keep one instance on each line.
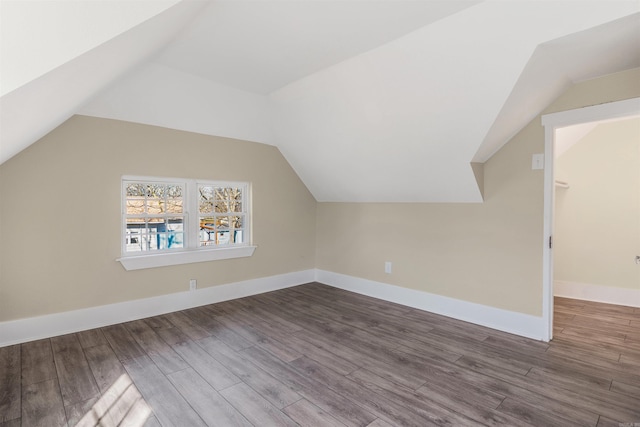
(550,242)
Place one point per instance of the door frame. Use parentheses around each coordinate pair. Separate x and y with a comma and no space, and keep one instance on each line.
(551,122)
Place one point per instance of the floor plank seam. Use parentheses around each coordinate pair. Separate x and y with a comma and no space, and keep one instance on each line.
(281,355)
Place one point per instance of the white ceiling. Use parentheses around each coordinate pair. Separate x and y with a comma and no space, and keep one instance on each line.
(42,103)
(368,100)
(261,46)
(38,36)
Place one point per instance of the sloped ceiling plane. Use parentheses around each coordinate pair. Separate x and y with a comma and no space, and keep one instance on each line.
(369,101)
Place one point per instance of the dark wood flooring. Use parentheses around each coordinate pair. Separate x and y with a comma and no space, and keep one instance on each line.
(314,355)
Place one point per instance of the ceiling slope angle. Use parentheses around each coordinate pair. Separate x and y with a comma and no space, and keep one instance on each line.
(402,122)
(87,56)
(213,78)
(260,46)
(158,95)
(369,101)
(557,65)
(38,37)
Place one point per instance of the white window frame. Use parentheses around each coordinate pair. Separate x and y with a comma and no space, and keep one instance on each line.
(192,251)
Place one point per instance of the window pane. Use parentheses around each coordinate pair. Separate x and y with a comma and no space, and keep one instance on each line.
(205,199)
(236,221)
(155,191)
(175,224)
(144,241)
(207,222)
(169,240)
(137,235)
(134,236)
(210,232)
(233,193)
(155,206)
(222,207)
(229,193)
(207,227)
(207,238)
(223,237)
(238,236)
(237,194)
(135,206)
(152,241)
(174,191)
(135,190)
(220,194)
(174,205)
(222,221)
(235,200)
(174,199)
(176,240)
(161,241)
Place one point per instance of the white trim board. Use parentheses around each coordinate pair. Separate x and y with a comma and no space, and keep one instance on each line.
(551,122)
(503,320)
(597,293)
(33,328)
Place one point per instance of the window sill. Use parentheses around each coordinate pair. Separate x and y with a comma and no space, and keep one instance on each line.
(138,262)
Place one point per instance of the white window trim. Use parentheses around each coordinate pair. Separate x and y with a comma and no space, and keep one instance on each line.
(192,253)
(139,262)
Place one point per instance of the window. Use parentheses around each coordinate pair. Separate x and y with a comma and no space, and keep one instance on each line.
(220,214)
(176,221)
(154,216)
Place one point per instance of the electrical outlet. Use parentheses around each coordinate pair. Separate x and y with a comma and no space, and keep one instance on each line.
(193,284)
(387,267)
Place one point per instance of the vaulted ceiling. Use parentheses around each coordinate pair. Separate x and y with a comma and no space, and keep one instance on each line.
(369,100)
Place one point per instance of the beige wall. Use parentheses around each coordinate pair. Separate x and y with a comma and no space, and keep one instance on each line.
(597,219)
(489,253)
(484,253)
(60,210)
(63,257)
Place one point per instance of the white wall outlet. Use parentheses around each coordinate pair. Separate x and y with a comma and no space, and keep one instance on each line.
(387,267)
(193,284)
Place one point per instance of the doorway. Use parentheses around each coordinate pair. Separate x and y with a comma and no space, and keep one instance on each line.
(553,122)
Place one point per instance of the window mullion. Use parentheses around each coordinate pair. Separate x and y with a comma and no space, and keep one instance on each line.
(192,225)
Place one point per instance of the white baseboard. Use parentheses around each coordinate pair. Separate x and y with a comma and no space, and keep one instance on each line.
(33,328)
(495,318)
(597,293)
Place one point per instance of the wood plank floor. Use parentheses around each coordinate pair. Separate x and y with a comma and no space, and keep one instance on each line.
(314,355)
